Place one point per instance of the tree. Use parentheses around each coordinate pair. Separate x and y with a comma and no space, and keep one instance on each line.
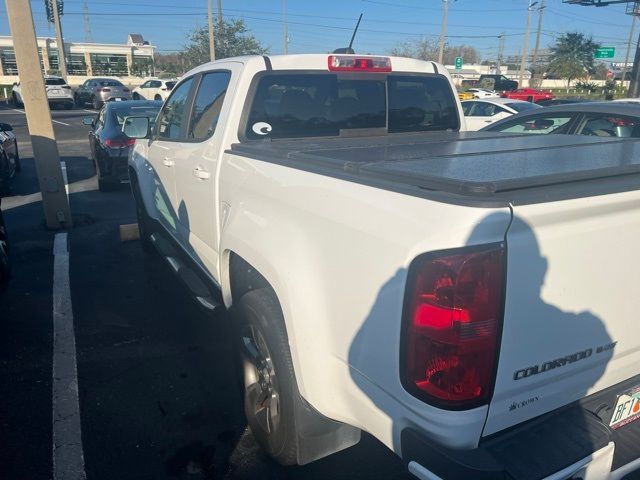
(426,49)
(572,57)
(231,40)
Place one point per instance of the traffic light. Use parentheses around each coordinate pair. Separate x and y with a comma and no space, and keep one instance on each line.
(48,7)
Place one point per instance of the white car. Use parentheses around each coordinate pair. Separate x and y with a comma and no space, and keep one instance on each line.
(466,298)
(154,89)
(480,113)
(483,93)
(58,92)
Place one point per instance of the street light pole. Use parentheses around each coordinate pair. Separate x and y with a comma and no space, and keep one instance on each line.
(537,47)
(525,45)
(62,61)
(443,30)
(45,149)
(285,29)
(626,58)
(212,41)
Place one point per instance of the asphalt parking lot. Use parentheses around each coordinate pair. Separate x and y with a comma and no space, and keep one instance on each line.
(158,397)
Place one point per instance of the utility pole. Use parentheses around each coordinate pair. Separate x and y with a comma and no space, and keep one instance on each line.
(212,41)
(443,30)
(626,58)
(87,25)
(500,50)
(220,16)
(525,45)
(45,149)
(62,59)
(285,31)
(537,47)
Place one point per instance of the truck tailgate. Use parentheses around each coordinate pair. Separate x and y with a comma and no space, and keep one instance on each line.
(571,305)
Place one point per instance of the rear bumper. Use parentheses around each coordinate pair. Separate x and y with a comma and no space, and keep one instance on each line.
(114,168)
(562,444)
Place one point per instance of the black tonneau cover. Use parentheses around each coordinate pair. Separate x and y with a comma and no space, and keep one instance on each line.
(467,163)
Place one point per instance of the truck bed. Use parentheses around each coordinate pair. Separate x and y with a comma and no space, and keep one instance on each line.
(475,165)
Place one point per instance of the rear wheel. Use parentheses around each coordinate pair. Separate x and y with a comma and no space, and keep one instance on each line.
(157,97)
(17,161)
(96,103)
(145,224)
(270,388)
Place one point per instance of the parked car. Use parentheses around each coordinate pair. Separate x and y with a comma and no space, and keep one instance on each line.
(480,113)
(465,95)
(109,146)
(9,158)
(5,261)
(391,274)
(154,89)
(496,82)
(58,93)
(97,91)
(483,93)
(529,95)
(600,119)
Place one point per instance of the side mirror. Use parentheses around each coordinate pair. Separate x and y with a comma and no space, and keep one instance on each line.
(136,127)
(88,121)
(5,127)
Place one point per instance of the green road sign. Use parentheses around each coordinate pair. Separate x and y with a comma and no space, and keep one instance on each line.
(458,63)
(605,52)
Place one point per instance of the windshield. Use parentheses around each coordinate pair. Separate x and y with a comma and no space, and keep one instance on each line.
(522,106)
(319,104)
(119,114)
(170,85)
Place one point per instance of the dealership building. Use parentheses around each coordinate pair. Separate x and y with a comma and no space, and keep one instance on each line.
(132,59)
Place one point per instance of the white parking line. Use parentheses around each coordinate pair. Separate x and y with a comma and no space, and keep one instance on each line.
(68,456)
(61,123)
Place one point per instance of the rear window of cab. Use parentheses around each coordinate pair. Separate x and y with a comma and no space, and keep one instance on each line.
(294,105)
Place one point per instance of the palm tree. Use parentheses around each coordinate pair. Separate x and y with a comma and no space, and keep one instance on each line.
(573,56)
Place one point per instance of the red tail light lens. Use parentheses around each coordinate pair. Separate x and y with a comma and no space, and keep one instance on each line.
(120,142)
(453,318)
(348,63)
(104,89)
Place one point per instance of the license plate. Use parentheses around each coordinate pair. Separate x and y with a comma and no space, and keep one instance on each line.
(55,93)
(627,408)
(118,99)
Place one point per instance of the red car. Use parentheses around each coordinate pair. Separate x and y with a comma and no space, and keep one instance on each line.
(529,95)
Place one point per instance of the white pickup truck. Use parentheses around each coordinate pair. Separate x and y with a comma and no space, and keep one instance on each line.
(470,299)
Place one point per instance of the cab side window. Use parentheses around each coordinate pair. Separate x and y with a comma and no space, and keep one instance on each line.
(208,104)
(173,114)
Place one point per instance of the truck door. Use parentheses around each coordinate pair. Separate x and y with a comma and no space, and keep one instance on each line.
(164,148)
(196,169)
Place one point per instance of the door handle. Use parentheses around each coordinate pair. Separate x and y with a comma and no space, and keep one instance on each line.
(201,174)
(167,162)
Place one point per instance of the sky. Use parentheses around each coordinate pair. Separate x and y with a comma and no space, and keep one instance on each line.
(322,25)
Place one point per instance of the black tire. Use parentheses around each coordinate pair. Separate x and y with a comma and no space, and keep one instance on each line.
(145,224)
(268,374)
(18,163)
(157,97)
(76,101)
(5,176)
(95,103)
(5,260)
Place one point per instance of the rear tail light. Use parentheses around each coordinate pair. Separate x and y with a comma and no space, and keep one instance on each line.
(125,89)
(120,142)
(164,89)
(104,89)
(349,63)
(453,315)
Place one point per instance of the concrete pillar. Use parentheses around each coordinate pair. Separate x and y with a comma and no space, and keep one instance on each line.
(1,67)
(45,57)
(130,61)
(87,60)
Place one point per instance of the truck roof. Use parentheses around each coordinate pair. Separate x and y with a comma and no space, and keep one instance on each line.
(475,165)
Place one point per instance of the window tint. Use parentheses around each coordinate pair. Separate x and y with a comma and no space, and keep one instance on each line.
(610,126)
(484,109)
(54,81)
(145,84)
(119,114)
(522,106)
(170,85)
(208,103)
(539,124)
(172,116)
(466,108)
(319,104)
(110,83)
(155,84)
(421,104)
